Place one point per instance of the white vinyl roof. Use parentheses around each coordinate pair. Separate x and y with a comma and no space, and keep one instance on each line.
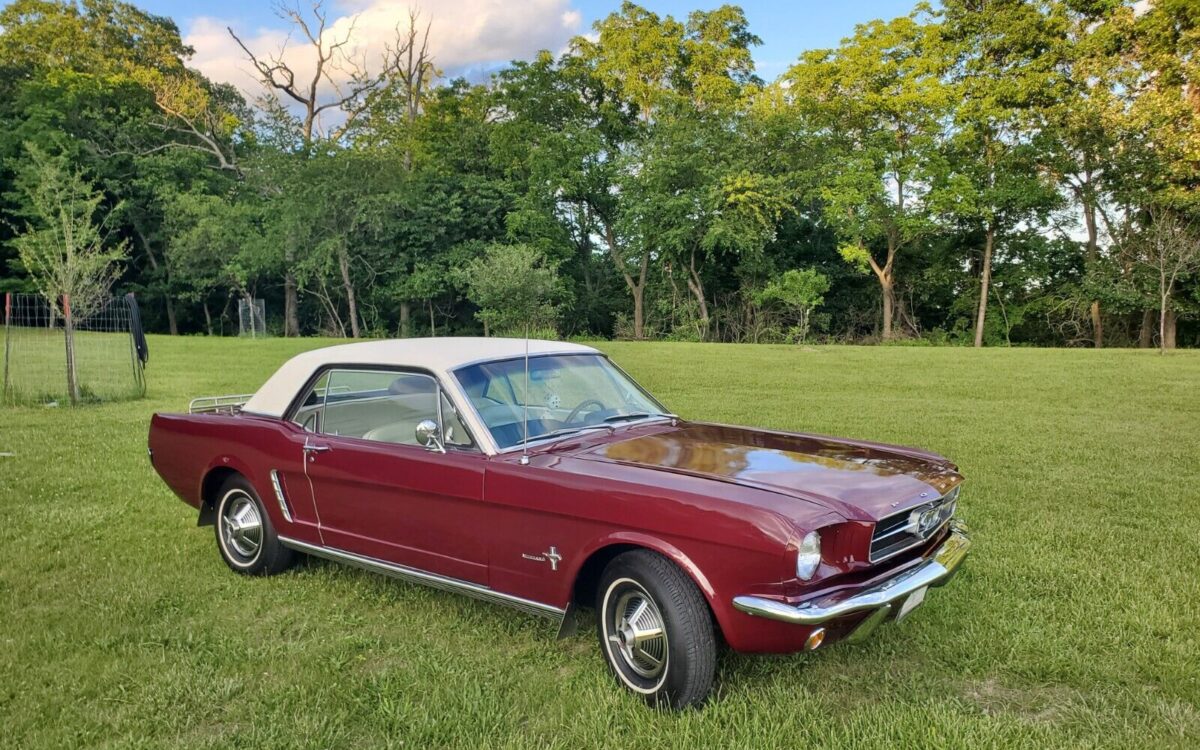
(439,355)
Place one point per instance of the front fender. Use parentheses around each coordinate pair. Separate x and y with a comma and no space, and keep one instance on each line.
(665,548)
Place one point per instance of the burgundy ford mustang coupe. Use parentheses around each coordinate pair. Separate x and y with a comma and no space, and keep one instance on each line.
(538,474)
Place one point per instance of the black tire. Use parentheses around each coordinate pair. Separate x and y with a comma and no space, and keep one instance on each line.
(685,677)
(250,554)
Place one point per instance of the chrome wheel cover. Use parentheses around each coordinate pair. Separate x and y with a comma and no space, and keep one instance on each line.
(241,526)
(638,633)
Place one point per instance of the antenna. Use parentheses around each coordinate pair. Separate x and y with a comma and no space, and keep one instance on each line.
(525,405)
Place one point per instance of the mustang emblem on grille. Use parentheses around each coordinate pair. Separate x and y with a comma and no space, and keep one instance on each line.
(923,521)
(929,520)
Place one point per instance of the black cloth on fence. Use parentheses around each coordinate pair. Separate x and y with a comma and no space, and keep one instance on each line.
(135,327)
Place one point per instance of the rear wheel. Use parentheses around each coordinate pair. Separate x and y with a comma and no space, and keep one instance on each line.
(245,536)
(655,630)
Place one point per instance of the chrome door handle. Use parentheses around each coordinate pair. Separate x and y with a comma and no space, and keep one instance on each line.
(309,448)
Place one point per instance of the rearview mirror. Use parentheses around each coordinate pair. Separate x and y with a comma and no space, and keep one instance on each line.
(429,435)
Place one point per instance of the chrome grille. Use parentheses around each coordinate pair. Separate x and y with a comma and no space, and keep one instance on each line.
(910,527)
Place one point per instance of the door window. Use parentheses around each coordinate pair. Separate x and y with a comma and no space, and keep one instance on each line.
(308,414)
(380,405)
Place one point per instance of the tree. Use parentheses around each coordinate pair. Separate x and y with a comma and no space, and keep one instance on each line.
(215,242)
(114,45)
(340,85)
(665,71)
(559,144)
(1168,248)
(516,290)
(107,85)
(1078,142)
(997,54)
(64,245)
(877,104)
(799,292)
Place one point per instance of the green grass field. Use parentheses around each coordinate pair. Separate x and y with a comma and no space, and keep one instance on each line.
(1076,623)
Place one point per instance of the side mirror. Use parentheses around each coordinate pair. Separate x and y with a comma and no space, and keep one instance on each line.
(430,436)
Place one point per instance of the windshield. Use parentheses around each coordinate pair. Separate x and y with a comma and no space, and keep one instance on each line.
(568,393)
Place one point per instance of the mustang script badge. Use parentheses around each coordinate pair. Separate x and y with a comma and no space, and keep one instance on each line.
(551,555)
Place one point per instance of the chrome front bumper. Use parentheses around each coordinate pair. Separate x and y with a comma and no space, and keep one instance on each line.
(935,570)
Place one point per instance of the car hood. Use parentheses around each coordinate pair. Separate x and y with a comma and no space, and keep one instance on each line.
(861,480)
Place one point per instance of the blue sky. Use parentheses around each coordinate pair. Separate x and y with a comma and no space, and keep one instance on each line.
(486,29)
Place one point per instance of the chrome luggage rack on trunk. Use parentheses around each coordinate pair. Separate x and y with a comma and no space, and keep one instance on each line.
(219,404)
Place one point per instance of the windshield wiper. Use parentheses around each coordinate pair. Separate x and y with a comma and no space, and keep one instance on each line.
(607,424)
(636,415)
(563,432)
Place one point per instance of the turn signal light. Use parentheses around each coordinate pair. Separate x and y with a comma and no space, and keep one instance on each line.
(815,639)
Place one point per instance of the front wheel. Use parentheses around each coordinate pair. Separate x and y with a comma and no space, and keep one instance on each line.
(656,631)
(245,536)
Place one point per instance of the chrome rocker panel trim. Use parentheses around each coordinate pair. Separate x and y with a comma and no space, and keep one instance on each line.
(936,570)
(413,575)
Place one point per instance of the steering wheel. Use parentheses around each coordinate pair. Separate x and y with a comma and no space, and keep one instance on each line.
(575,412)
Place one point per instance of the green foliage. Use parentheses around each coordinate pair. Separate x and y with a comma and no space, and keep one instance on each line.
(666,183)
(516,289)
(856,255)
(64,245)
(799,292)
(213,242)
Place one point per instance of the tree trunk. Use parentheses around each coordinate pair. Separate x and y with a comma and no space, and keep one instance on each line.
(331,310)
(249,298)
(7,344)
(889,306)
(432,320)
(887,284)
(1093,253)
(207,318)
(1146,335)
(344,266)
(1162,322)
(1168,329)
(638,330)
(636,288)
(172,324)
(696,286)
(405,320)
(173,327)
(639,327)
(291,319)
(69,338)
(985,281)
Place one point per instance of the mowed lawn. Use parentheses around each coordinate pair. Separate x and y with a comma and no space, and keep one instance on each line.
(1076,622)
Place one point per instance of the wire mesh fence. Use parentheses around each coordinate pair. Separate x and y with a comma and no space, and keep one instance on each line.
(51,357)
(252,318)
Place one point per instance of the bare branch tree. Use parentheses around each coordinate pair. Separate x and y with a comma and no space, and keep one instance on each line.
(324,90)
(342,82)
(1169,247)
(65,249)
(412,65)
(191,118)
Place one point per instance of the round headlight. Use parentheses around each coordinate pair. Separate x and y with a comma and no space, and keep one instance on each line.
(809,556)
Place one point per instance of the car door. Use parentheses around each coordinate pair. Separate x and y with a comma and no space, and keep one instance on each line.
(377,491)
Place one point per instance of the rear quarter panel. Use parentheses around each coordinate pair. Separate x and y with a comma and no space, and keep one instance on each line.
(184,448)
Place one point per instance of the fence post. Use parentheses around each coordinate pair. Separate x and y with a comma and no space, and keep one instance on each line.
(7,346)
(69,337)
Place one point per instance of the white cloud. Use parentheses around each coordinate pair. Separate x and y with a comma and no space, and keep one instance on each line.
(465,35)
